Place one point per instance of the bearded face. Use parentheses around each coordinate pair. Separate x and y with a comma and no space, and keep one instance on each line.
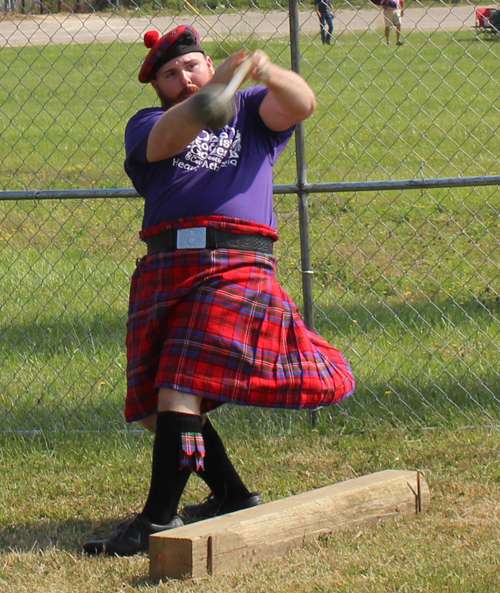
(168,101)
(180,78)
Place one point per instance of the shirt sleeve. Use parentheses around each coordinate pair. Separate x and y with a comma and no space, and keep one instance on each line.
(137,134)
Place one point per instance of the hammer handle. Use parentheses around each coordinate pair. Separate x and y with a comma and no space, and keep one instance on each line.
(237,78)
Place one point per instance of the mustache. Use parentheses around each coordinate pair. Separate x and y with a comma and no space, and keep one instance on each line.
(187,92)
(190,90)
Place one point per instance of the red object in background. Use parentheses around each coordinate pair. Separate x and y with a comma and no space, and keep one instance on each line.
(483,16)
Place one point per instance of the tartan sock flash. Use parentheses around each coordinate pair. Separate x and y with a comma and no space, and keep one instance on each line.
(192,453)
(192,447)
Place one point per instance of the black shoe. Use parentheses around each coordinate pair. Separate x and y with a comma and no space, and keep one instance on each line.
(131,537)
(213,506)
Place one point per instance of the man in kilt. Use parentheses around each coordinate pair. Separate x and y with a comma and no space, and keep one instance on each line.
(208,322)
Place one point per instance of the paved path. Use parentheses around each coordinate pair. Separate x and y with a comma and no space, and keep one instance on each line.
(65,28)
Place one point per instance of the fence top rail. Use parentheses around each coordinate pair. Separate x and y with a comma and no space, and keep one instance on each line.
(339,187)
(388,185)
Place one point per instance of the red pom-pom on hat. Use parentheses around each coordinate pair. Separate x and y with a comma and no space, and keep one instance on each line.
(150,38)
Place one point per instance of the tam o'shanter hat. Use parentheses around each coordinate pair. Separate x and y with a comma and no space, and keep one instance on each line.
(181,40)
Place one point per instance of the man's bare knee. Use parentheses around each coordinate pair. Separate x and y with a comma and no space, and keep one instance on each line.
(172,400)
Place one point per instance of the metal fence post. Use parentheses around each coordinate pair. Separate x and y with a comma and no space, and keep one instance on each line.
(302,193)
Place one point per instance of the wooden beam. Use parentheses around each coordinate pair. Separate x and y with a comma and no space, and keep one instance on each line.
(246,537)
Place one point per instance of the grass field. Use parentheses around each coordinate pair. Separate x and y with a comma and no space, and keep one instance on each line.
(57,491)
(408,293)
(427,110)
(406,284)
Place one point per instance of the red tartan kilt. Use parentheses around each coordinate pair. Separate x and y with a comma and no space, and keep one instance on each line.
(218,324)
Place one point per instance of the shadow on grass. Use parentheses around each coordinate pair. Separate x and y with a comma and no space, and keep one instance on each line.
(398,315)
(67,535)
(49,336)
(425,383)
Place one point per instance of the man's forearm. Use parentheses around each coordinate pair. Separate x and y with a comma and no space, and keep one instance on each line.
(290,100)
(173,132)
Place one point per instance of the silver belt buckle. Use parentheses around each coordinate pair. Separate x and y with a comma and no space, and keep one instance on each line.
(193,238)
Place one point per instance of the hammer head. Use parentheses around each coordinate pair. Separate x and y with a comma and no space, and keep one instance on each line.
(211,108)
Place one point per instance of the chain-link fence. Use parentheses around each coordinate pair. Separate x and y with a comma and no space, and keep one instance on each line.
(387,202)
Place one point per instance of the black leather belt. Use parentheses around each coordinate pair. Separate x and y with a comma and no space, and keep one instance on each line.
(207,238)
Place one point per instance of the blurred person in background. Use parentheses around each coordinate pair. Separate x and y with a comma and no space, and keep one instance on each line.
(325,12)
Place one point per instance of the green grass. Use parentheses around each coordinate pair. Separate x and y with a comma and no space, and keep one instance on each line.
(428,110)
(65,288)
(406,284)
(399,287)
(57,491)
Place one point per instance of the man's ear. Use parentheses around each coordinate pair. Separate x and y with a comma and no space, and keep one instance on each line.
(211,64)
(154,84)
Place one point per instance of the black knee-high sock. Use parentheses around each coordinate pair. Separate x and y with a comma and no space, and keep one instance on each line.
(219,473)
(168,477)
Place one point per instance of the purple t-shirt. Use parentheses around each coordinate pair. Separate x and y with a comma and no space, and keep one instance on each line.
(227,173)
